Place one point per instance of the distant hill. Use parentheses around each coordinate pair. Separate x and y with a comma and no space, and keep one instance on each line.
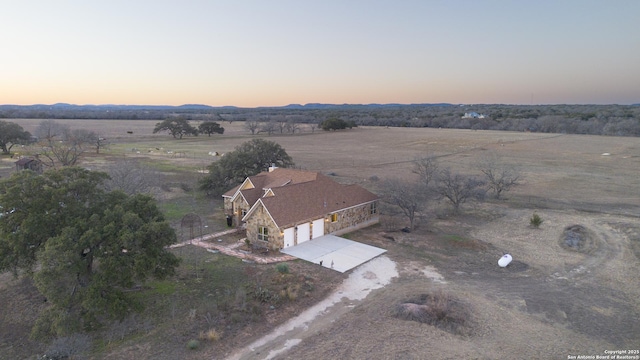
(66,106)
(318,106)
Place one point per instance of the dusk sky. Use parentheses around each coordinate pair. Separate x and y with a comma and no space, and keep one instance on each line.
(273,53)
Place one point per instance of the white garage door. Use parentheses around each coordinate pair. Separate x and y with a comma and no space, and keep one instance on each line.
(317,228)
(289,237)
(304,232)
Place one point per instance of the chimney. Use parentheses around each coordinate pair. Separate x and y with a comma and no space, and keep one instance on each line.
(272,167)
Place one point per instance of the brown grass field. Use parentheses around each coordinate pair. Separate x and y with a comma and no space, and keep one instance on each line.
(551,302)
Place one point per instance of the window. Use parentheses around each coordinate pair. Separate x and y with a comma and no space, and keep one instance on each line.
(334,217)
(244,212)
(263,233)
(374,208)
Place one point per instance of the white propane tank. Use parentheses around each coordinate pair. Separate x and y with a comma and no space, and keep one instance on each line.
(504,260)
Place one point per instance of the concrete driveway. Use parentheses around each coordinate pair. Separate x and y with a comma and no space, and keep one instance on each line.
(334,252)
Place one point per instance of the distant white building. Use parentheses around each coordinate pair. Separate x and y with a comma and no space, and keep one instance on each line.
(473,115)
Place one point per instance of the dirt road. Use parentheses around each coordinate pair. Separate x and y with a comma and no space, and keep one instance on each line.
(366,278)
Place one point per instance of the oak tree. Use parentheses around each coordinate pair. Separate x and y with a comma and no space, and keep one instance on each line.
(210,127)
(84,247)
(177,127)
(248,159)
(12,134)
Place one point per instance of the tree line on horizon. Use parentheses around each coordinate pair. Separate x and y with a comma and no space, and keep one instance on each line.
(614,120)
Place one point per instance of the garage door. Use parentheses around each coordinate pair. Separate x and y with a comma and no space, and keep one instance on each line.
(318,228)
(289,237)
(304,232)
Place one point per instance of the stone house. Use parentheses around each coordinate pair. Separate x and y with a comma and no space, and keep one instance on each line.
(285,207)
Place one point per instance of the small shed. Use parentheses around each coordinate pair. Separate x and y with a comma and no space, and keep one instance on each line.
(29,163)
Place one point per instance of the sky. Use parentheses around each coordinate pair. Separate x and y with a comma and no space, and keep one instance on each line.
(251,53)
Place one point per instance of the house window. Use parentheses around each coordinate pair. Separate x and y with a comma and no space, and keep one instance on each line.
(334,217)
(263,233)
(244,212)
(374,208)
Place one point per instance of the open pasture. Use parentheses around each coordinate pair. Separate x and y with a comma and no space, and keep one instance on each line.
(551,302)
(591,170)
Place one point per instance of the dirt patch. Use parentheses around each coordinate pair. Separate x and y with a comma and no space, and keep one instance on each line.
(578,238)
(439,309)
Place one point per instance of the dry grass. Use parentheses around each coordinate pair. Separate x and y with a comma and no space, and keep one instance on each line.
(212,335)
(542,306)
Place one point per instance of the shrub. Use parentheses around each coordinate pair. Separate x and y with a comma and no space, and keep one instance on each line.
(535,220)
(265,295)
(185,187)
(193,344)
(282,268)
(290,292)
(210,335)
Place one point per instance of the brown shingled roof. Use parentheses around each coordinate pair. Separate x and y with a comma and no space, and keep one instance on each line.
(310,200)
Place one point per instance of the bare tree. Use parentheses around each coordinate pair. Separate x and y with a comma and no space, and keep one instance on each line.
(426,168)
(65,148)
(51,130)
(313,127)
(132,178)
(409,197)
(252,125)
(100,143)
(282,124)
(292,126)
(500,177)
(269,127)
(459,189)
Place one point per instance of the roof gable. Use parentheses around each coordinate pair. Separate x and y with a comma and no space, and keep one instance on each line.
(311,200)
(254,187)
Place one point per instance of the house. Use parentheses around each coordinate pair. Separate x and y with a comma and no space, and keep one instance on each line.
(28,163)
(473,115)
(286,207)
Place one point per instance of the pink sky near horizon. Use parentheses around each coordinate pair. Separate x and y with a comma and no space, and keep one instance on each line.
(256,53)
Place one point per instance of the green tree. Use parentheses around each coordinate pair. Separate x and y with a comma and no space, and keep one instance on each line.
(10,135)
(90,246)
(333,123)
(177,127)
(210,127)
(248,159)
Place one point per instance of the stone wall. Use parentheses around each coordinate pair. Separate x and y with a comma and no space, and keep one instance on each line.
(238,205)
(261,218)
(348,220)
(352,218)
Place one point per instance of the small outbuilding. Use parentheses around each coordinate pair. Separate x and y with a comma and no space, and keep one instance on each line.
(29,163)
